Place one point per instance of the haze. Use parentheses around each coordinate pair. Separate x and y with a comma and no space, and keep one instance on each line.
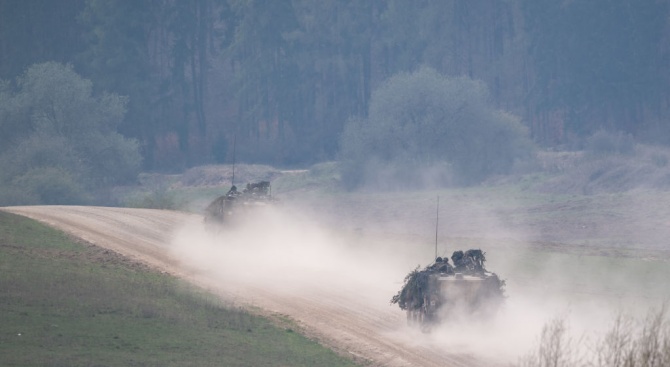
(542,125)
(293,252)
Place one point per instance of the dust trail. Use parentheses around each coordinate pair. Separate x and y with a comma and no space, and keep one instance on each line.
(586,292)
(295,255)
(292,254)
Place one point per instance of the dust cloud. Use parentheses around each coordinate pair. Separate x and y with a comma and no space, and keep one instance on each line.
(291,253)
(267,249)
(587,308)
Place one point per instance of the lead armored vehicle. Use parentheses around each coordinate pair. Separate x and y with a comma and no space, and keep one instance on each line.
(442,290)
(235,204)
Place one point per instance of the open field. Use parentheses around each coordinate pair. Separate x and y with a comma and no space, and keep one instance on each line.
(68,303)
(531,208)
(586,258)
(331,260)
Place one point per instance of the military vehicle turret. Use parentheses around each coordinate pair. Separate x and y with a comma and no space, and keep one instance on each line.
(442,290)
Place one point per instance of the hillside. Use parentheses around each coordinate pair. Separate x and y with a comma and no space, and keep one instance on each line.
(66,302)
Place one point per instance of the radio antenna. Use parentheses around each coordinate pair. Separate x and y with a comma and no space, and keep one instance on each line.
(437,222)
(232,181)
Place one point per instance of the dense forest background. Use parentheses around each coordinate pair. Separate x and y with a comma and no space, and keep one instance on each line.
(277,80)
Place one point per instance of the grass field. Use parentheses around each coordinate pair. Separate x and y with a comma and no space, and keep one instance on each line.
(567,245)
(64,303)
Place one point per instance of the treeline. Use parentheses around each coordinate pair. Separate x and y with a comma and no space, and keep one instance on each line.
(276,80)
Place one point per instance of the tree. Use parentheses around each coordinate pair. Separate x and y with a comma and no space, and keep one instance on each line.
(597,64)
(263,73)
(425,129)
(158,53)
(37,31)
(117,58)
(66,136)
(333,51)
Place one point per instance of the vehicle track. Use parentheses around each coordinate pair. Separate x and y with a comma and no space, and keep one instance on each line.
(330,315)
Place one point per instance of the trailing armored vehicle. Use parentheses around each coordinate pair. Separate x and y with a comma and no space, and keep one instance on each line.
(442,290)
(235,204)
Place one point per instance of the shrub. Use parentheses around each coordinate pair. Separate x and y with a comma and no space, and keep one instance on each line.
(624,345)
(53,125)
(425,129)
(604,142)
(51,185)
(555,349)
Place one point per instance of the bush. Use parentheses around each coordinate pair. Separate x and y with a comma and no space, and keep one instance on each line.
(624,345)
(51,185)
(555,349)
(39,150)
(424,129)
(57,133)
(110,159)
(604,142)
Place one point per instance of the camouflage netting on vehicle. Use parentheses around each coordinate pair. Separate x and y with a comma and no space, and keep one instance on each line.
(411,294)
(422,287)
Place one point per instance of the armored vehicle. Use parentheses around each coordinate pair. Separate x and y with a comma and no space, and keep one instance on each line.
(442,290)
(234,204)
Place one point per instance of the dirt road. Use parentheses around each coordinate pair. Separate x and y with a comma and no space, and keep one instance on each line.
(340,321)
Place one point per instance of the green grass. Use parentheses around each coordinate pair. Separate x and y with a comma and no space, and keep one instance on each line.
(69,304)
